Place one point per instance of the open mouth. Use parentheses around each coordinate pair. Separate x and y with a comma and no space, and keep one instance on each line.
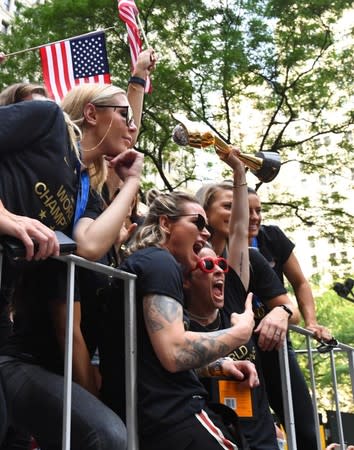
(218,289)
(197,247)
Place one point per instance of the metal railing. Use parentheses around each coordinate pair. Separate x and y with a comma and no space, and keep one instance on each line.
(286,387)
(130,344)
(131,360)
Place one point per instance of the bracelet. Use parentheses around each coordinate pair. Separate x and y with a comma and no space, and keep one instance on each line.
(215,369)
(239,185)
(137,80)
(286,308)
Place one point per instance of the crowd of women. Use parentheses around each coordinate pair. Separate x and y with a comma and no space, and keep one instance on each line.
(209,309)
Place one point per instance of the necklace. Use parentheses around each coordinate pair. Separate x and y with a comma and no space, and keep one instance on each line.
(100,142)
(213,326)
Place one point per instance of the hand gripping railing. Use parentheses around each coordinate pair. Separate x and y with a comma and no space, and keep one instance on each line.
(130,344)
(286,386)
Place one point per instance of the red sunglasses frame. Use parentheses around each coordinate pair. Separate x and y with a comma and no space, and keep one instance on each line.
(201,265)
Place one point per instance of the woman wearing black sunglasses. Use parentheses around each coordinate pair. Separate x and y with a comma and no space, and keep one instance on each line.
(216,283)
(31,362)
(171,400)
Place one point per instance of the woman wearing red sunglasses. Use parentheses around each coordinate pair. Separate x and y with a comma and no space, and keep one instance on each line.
(215,278)
(172,402)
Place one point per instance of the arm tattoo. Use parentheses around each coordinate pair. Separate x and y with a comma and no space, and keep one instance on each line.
(193,349)
(160,308)
(202,350)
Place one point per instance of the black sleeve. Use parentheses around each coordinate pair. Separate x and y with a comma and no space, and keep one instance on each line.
(264,282)
(235,293)
(157,272)
(94,205)
(274,240)
(22,124)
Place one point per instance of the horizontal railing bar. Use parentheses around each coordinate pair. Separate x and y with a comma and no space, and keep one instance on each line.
(302,351)
(97,267)
(303,331)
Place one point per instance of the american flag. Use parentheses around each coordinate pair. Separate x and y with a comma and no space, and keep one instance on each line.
(127,13)
(79,60)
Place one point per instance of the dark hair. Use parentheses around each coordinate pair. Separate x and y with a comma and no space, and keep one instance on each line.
(251,191)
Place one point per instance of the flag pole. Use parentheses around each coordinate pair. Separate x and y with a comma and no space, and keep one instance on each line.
(142,31)
(56,42)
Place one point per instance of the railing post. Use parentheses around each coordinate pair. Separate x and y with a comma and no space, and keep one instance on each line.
(131,364)
(68,357)
(336,398)
(313,388)
(287,397)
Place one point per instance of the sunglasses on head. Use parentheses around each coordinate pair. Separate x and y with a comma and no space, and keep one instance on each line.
(129,118)
(208,263)
(199,221)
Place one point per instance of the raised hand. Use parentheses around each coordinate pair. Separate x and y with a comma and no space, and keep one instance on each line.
(127,164)
(245,321)
(145,64)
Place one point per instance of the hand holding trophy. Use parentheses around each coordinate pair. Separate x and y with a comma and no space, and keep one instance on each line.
(265,165)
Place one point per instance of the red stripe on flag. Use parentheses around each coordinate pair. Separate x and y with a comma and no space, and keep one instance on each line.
(66,75)
(127,13)
(56,70)
(45,70)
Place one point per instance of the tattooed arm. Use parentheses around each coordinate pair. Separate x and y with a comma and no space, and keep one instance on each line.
(238,228)
(180,350)
(240,370)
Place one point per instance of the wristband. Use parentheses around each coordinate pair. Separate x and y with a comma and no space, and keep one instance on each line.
(215,369)
(137,80)
(239,185)
(288,310)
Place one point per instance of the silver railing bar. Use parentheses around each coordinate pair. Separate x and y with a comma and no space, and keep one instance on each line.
(287,397)
(336,398)
(313,389)
(131,364)
(68,355)
(130,355)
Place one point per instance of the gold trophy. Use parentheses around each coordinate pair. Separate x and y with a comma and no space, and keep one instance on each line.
(265,165)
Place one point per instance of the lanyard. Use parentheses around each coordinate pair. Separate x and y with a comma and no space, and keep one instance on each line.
(82,195)
(83,192)
(254,242)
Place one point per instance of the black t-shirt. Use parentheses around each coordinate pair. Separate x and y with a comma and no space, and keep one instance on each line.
(258,430)
(275,246)
(264,283)
(38,179)
(164,398)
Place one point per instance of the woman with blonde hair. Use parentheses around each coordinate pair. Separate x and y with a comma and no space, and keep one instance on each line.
(31,361)
(172,406)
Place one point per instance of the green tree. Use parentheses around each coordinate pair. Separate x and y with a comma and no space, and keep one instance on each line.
(280,57)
